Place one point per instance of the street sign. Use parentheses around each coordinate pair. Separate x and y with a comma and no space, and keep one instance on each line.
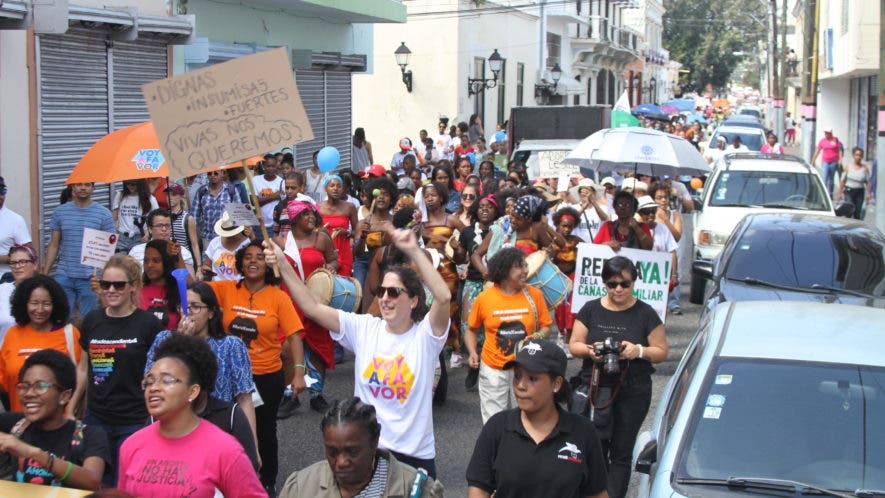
(227,112)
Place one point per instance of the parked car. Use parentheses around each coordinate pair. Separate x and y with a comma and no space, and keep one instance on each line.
(772,399)
(745,183)
(797,256)
(751,135)
(743,120)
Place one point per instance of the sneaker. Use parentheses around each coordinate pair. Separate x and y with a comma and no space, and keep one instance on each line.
(472,379)
(319,404)
(676,311)
(287,407)
(456,360)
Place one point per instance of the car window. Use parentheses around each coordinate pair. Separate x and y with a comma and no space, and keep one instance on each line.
(753,139)
(852,259)
(684,376)
(778,189)
(809,422)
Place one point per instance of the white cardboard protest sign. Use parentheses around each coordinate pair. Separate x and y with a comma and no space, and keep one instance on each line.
(550,164)
(97,248)
(226,112)
(652,285)
(241,214)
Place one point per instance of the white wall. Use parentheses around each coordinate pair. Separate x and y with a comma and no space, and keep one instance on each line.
(832,108)
(15,129)
(855,50)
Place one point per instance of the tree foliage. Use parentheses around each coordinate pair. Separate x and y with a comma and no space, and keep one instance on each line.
(704,36)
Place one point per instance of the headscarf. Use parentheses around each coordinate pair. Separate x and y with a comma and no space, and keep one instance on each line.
(527,206)
(329,178)
(294,208)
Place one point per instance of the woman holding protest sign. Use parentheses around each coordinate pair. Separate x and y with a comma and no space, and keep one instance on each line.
(619,337)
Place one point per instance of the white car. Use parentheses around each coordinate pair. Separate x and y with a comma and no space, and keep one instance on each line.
(745,183)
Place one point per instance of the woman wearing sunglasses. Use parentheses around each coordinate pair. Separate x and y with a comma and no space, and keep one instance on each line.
(117,338)
(47,447)
(624,231)
(396,354)
(468,199)
(181,454)
(40,308)
(626,390)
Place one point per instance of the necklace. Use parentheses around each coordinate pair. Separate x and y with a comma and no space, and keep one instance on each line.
(107,311)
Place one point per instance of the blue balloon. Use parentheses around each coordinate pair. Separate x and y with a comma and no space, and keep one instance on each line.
(328,159)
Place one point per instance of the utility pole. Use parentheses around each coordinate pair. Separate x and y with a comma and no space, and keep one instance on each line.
(880,140)
(809,78)
(777,69)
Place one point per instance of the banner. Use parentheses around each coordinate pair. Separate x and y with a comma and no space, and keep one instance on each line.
(226,112)
(550,164)
(652,284)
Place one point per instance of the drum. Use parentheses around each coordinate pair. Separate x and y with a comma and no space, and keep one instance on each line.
(341,293)
(544,275)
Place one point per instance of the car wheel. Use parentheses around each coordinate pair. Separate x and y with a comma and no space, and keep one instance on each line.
(696,293)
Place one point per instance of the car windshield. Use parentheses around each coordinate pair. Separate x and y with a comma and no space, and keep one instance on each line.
(751,112)
(769,189)
(808,422)
(752,138)
(852,259)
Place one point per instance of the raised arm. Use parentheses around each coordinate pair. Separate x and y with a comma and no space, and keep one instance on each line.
(407,242)
(323,315)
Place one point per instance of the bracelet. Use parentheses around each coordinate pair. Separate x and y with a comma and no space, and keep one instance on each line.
(641,351)
(49,462)
(68,471)
(300,365)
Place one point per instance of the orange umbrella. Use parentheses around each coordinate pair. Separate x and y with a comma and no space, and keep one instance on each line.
(252,161)
(127,154)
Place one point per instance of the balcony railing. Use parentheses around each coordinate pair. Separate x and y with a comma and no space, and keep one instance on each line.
(600,30)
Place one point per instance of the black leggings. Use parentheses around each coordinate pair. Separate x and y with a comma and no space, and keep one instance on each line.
(270,387)
(855,196)
(629,411)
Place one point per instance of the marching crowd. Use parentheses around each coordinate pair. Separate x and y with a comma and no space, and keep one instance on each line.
(115,379)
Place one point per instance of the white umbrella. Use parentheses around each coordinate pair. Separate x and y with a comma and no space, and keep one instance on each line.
(645,151)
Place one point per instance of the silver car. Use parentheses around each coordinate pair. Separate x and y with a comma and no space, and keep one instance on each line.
(774,399)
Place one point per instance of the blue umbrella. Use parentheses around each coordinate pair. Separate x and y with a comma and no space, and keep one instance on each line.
(697,118)
(681,104)
(647,109)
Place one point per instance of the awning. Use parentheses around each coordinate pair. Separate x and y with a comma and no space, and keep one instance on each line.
(125,22)
(13,9)
(570,86)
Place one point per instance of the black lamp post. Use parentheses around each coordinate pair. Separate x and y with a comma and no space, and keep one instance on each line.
(402,54)
(476,85)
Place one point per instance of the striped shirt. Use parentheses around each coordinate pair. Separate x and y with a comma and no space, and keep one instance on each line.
(70,220)
(378,485)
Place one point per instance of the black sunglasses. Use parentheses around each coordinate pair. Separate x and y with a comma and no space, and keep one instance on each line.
(118,285)
(393,292)
(469,197)
(625,284)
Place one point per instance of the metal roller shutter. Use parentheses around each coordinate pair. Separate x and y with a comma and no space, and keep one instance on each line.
(311,88)
(87,87)
(338,131)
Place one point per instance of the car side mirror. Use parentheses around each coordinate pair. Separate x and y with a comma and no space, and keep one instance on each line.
(647,457)
(703,268)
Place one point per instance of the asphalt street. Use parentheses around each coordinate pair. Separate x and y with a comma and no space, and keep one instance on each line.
(457,423)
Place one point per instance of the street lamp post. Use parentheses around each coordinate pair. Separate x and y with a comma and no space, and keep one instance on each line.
(402,55)
(477,85)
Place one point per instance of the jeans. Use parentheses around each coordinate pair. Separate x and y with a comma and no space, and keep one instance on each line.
(673,300)
(116,435)
(270,387)
(361,268)
(78,290)
(829,172)
(428,464)
(629,410)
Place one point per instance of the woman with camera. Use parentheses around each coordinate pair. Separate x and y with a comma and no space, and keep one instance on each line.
(619,337)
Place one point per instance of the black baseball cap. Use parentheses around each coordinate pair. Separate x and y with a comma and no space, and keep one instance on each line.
(540,356)
(2,182)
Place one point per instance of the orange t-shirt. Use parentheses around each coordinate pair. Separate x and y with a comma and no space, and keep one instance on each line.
(257,319)
(506,320)
(23,341)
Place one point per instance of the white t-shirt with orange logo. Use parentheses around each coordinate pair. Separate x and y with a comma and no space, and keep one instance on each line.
(223,260)
(394,373)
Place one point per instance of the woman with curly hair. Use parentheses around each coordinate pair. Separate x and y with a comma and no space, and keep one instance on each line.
(40,308)
(203,458)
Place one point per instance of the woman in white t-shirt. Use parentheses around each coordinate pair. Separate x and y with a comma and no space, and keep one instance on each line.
(396,354)
(130,207)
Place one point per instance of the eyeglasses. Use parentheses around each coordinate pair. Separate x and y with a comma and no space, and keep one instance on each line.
(42,304)
(625,284)
(213,173)
(623,205)
(20,262)
(162,226)
(392,292)
(3,190)
(117,285)
(164,380)
(469,197)
(40,387)
(196,307)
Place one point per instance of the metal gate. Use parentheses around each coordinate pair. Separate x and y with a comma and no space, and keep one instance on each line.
(326,96)
(87,87)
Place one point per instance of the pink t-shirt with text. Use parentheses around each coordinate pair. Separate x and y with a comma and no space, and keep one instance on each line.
(829,149)
(195,465)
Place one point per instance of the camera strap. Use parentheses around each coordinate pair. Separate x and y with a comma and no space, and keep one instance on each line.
(594,387)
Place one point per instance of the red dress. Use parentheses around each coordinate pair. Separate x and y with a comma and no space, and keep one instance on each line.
(317,338)
(342,243)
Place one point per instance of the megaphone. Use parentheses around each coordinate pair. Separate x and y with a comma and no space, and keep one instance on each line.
(180,275)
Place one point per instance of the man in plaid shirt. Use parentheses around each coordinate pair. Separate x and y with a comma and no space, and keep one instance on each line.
(209,204)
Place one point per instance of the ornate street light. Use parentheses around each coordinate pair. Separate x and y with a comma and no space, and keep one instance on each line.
(476,85)
(402,55)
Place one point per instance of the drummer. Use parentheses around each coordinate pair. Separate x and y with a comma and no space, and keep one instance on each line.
(509,312)
(307,250)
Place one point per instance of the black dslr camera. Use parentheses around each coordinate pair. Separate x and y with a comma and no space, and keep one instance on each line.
(610,350)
